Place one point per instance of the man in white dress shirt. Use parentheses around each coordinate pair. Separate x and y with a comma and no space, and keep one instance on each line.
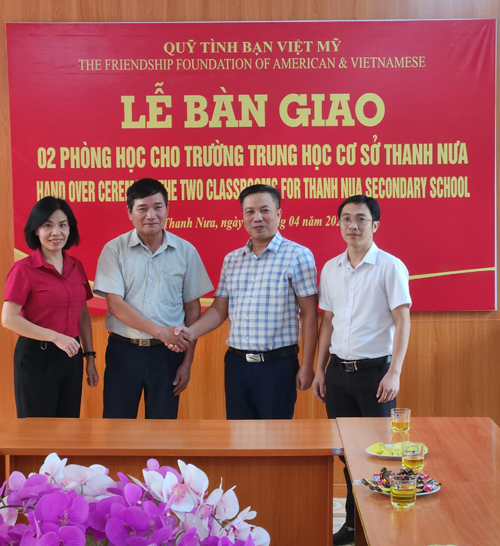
(365,298)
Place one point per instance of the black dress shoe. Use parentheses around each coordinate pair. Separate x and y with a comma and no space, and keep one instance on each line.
(343,536)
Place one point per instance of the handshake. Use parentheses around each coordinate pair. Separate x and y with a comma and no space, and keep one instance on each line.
(178,338)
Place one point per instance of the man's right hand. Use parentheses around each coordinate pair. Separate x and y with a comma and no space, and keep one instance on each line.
(182,332)
(318,386)
(176,338)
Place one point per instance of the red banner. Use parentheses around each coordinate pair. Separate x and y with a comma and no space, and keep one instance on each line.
(403,111)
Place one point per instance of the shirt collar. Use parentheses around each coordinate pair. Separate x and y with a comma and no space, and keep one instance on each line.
(371,255)
(38,261)
(168,240)
(273,246)
(369,258)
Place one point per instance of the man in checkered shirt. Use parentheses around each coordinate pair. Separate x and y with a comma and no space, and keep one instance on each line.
(262,287)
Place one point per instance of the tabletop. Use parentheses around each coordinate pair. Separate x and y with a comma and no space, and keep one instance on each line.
(297,437)
(464,455)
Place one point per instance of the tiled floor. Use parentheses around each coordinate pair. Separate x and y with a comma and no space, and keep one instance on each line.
(338,513)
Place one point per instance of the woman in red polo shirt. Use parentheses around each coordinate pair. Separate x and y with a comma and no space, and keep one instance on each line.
(46,304)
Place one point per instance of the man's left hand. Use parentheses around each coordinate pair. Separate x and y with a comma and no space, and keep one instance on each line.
(388,388)
(182,378)
(304,378)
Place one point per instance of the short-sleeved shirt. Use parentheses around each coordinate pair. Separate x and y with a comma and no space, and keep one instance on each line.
(362,301)
(157,285)
(263,291)
(49,299)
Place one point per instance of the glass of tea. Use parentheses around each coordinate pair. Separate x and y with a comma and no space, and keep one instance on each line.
(403,491)
(413,456)
(400,419)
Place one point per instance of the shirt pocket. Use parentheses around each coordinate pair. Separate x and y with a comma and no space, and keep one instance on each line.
(171,287)
(278,289)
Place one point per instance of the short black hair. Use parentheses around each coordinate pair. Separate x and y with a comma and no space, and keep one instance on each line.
(144,188)
(261,188)
(370,202)
(41,212)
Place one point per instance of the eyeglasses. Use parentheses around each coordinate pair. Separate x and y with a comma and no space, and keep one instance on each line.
(361,221)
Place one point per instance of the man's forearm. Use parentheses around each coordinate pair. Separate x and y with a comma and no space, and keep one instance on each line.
(309,338)
(401,338)
(192,312)
(324,341)
(211,319)
(127,314)
(309,311)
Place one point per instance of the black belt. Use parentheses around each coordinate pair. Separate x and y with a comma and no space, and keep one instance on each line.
(363,364)
(266,356)
(140,342)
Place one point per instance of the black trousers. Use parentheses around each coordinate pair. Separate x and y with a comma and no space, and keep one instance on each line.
(260,390)
(130,369)
(47,382)
(353,394)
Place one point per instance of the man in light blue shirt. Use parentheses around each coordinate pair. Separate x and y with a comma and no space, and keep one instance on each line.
(152,280)
(262,288)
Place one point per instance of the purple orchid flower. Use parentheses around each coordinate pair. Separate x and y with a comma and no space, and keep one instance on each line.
(99,513)
(62,508)
(124,524)
(169,509)
(123,480)
(132,494)
(27,491)
(190,538)
(32,532)
(4,532)
(64,536)
(153,464)
(16,533)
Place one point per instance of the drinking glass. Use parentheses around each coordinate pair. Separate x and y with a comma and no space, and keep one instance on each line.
(400,419)
(403,491)
(413,456)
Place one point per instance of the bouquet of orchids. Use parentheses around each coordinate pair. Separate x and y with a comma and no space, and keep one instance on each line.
(72,505)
